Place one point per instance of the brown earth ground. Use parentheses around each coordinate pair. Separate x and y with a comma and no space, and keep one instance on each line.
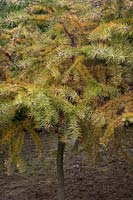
(112,181)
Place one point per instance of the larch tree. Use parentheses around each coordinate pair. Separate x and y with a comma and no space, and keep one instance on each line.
(65,67)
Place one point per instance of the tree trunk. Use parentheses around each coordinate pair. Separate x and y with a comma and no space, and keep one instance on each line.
(60,170)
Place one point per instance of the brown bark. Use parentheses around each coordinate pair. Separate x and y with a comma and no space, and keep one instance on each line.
(60,170)
(72,40)
(6,53)
(60,156)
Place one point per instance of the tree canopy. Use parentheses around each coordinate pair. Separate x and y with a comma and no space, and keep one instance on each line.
(65,67)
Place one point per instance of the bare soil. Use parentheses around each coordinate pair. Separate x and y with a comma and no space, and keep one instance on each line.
(112,181)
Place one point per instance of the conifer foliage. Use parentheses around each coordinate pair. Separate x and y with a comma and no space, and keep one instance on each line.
(65,67)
